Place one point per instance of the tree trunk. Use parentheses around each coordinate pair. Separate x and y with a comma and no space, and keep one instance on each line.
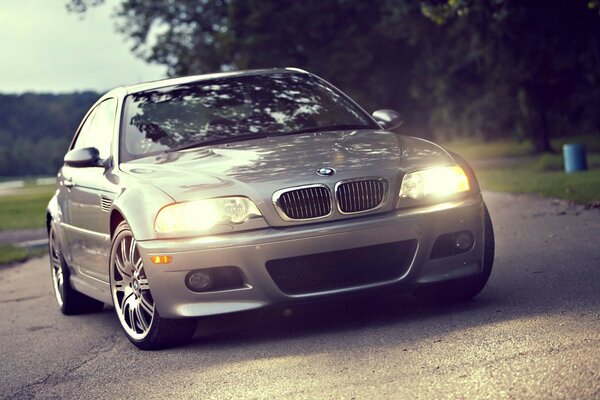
(533,112)
(542,133)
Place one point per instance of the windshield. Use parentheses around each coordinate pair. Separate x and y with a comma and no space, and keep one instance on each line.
(235,107)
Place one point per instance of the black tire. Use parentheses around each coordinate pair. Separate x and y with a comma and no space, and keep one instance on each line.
(147,331)
(466,288)
(167,333)
(70,301)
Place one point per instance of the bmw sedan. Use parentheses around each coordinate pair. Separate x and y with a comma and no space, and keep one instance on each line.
(212,194)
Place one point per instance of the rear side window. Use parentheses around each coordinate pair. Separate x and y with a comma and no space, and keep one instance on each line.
(97,130)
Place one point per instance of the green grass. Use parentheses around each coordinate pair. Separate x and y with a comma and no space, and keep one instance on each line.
(13,254)
(473,149)
(582,187)
(555,162)
(25,207)
(10,254)
(541,174)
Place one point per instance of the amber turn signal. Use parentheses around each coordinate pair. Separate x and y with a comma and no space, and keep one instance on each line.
(161,259)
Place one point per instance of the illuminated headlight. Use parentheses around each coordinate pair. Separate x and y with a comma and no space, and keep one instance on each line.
(434,182)
(202,215)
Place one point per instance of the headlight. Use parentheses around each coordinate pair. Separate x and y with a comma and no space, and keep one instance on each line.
(435,182)
(202,215)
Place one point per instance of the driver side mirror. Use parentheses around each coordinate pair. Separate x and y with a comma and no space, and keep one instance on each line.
(84,157)
(388,119)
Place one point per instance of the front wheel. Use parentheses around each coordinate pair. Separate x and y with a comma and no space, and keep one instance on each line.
(133,300)
(465,288)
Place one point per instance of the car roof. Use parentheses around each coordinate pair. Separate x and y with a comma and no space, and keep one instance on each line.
(140,87)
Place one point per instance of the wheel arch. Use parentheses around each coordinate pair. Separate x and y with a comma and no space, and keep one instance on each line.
(464,164)
(48,220)
(138,205)
(116,217)
(52,212)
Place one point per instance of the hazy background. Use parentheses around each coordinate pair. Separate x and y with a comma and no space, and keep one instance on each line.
(523,75)
(45,48)
(54,66)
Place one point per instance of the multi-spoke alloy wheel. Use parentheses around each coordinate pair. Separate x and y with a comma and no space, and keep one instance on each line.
(69,300)
(133,299)
(130,290)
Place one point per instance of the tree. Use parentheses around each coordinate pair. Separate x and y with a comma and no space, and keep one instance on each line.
(544,55)
(36,130)
(455,67)
(340,40)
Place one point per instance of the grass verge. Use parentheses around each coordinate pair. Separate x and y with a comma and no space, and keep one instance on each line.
(9,253)
(582,187)
(473,149)
(25,207)
(540,174)
(555,162)
(12,254)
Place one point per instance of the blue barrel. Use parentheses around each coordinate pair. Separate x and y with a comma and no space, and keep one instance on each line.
(575,158)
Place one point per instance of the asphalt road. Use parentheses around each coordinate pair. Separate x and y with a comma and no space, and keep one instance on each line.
(534,332)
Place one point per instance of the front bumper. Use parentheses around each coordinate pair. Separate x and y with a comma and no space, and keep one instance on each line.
(250,251)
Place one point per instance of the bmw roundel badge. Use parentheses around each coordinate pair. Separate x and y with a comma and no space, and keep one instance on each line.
(326,171)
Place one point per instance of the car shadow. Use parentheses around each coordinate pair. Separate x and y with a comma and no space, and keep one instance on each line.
(533,288)
(347,315)
(401,318)
(375,322)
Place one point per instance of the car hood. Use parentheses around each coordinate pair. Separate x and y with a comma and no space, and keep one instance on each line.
(272,163)
(258,168)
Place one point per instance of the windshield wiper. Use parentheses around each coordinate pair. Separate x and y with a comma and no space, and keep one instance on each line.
(218,141)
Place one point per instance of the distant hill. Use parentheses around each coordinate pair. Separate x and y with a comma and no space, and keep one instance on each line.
(36,128)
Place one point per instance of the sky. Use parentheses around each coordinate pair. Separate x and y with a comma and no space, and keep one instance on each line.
(44,48)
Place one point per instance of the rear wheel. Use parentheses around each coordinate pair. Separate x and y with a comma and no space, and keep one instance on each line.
(466,288)
(69,300)
(133,301)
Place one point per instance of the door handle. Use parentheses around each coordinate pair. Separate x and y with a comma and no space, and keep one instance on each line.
(68,183)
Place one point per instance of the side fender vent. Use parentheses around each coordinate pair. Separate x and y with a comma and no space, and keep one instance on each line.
(105,204)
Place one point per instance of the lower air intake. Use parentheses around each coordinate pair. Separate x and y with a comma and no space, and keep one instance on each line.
(342,269)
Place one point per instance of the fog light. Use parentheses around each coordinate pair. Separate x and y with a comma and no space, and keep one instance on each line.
(452,244)
(199,281)
(463,241)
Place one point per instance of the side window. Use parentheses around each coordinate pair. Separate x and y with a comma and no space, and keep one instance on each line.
(97,131)
(82,136)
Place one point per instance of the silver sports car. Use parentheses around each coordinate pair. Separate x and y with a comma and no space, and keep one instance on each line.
(214,194)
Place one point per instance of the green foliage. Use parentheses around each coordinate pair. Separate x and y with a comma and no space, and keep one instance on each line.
(441,12)
(591,142)
(490,69)
(35,130)
(25,208)
(536,62)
